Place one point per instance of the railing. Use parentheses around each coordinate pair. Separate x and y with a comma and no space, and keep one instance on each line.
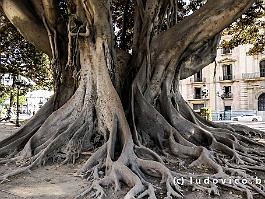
(227,95)
(198,80)
(226,77)
(197,96)
(253,75)
(226,51)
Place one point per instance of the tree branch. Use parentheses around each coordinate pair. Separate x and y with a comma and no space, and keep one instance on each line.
(188,36)
(49,8)
(200,58)
(203,24)
(20,14)
(195,31)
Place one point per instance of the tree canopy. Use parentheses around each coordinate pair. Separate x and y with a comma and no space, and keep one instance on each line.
(19,57)
(248,29)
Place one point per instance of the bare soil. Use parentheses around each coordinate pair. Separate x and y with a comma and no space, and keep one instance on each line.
(58,182)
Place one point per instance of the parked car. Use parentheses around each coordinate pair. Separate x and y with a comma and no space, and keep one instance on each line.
(247,118)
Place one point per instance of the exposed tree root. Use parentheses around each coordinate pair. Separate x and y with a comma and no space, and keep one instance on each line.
(184,134)
(131,170)
(15,142)
(131,148)
(225,155)
(134,158)
(162,124)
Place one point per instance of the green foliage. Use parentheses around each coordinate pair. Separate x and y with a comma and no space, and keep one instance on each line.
(3,97)
(19,57)
(4,90)
(22,100)
(248,29)
(123,18)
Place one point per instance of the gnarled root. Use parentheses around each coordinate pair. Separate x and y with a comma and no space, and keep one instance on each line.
(121,159)
(132,172)
(219,149)
(129,168)
(136,157)
(14,143)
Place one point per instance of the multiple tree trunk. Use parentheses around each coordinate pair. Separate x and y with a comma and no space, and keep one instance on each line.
(128,108)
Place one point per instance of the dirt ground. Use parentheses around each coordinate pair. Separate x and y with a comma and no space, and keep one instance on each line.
(58,182)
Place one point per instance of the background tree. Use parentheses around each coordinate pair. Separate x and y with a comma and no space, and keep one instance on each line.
(248,29)
(126,105)
(19,57)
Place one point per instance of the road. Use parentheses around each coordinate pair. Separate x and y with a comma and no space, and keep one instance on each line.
(256,125)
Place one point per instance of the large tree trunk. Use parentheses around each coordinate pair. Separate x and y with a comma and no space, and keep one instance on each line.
(157,121)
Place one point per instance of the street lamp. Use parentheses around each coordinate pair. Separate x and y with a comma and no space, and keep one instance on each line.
(18,83)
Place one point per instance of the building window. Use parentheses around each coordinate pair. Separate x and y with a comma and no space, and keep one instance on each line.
(227,113)
(197,93)
(227,72)
(226,51)
(261,102)
(262,68)
(198,76)
(227,92)
(228,108)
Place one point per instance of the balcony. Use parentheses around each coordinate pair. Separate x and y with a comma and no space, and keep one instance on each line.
(198,80)
(197,96)
(227,95)
(226,51)
(253,76)
(227,77)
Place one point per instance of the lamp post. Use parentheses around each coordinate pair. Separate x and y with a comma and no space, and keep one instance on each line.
(27,106)
(19,83)
(17,120)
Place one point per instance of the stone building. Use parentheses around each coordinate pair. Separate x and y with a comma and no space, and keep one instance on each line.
(233,85)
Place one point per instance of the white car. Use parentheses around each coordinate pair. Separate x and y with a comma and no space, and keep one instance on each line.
(247,118)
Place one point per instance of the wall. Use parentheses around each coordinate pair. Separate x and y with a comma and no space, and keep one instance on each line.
(245,91)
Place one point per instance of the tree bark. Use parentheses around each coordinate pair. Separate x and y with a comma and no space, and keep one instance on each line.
(157,121)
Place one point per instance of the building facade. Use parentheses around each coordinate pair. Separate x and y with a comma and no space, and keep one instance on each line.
(36,99)
(233,85)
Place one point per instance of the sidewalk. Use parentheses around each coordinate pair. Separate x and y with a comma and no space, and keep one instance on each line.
(6,129)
